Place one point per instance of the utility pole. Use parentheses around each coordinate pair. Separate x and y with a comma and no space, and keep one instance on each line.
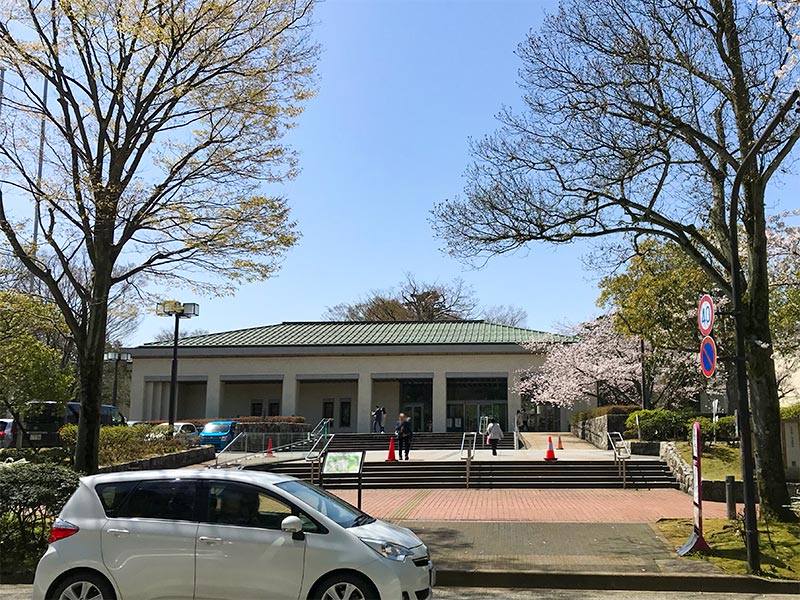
(745,431)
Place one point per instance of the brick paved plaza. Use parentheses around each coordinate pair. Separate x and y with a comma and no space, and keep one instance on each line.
(542,505)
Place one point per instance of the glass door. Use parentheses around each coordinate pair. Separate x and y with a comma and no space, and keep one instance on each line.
(415,412)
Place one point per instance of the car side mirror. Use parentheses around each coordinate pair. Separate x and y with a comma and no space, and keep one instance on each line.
(293,525)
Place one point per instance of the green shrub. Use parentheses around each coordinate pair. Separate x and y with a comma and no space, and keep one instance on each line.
(658,424)
(578,417)
(708,429)
(726,429)
(31,496)
(791,412)
(59,456)
(124,444)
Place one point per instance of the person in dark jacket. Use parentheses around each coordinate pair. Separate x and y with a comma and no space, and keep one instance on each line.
(404,434)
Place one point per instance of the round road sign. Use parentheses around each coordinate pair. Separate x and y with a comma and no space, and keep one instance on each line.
(705,314)
(708,356)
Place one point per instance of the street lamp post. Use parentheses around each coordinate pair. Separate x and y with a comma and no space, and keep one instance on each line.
(173,308)
(745,431)
(117,357)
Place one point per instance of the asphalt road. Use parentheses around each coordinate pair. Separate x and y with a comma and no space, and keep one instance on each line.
(23,592)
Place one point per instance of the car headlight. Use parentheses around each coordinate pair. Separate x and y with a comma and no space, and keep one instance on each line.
(388,549)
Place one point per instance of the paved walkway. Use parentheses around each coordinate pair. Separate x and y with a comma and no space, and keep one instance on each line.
(534,505)
(553,548)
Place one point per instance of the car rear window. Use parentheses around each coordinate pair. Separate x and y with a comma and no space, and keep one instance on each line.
(171,499)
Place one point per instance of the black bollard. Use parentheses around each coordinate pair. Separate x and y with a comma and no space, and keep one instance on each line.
(730,497)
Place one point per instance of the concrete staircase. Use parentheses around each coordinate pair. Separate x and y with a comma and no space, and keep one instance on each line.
(641,474)
(353,442)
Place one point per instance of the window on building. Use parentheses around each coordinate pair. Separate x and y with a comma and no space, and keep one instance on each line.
(274,408)
(327,409)
(256,409)
(345,407)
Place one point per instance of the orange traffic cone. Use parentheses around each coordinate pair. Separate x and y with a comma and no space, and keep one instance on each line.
(391,457)
(560,446)
(551,455)
(269,447)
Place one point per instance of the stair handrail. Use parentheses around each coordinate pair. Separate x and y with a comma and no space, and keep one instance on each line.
(474,442)
(622,452)
(225,449)
(321,428)
(314,454)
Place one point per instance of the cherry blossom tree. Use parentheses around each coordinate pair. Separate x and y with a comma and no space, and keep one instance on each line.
(607,365)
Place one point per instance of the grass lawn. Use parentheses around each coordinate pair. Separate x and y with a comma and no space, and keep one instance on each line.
(779,542)
(716,462)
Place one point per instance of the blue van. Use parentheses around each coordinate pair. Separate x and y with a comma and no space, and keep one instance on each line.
(218,434)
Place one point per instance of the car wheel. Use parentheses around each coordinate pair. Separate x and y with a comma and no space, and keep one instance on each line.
(345,586)
(83,586)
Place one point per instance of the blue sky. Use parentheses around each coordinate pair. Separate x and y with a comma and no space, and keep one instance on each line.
(403,85)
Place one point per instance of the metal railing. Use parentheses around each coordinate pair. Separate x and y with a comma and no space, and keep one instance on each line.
(622,453)
(464,443)
(248,446)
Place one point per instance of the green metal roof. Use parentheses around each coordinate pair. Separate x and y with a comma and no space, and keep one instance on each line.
(361,333)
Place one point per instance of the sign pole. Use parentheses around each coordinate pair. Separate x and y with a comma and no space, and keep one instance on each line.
(696,543)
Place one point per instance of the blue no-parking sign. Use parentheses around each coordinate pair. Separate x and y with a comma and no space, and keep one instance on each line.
(708,356)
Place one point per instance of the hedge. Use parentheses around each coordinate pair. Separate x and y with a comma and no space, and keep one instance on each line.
(791,412)
(199,423)
(31,496)
(124,444)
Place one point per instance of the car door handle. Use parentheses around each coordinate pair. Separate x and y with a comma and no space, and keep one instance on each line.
(209,540)
(117,532)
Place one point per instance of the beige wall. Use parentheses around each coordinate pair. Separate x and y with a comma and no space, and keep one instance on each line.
(238,397)
(191,401)
(311,395)
(295,395)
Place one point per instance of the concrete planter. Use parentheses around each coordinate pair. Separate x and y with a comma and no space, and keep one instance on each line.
(176,460)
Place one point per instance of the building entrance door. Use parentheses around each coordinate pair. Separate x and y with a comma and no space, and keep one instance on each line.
(415,412)
(467,416)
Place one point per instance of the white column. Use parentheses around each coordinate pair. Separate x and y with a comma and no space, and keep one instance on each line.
(213,397)
(514,400)
(364,403)
(138,391)
(289,395)
(439,401)
(163,405)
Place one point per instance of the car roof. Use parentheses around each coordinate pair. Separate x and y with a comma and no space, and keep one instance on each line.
(223,421)
(254,477)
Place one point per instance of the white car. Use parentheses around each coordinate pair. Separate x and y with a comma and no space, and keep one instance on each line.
(185,430)
(224,534)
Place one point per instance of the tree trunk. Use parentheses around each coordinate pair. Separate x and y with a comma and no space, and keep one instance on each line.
(90,369)
(770,472)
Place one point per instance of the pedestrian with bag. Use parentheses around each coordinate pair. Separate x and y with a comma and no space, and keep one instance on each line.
(495,433)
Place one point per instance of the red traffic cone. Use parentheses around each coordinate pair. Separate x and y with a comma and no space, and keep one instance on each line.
(551,455)
(560,446)
(391,457)
(269,447)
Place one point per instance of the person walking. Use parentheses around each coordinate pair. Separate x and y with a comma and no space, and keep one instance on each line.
(495,433)
(519,421)
(404,434)
(524,420)
(377,420)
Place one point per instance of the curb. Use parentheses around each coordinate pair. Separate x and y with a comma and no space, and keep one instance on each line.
(688,582)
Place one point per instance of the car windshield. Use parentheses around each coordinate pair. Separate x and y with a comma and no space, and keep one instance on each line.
(334,508)
(216,428)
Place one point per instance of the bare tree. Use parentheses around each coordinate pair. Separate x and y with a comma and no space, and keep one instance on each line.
(506,314)
(167,334)
(413,300)
(637,115)
(164,122)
